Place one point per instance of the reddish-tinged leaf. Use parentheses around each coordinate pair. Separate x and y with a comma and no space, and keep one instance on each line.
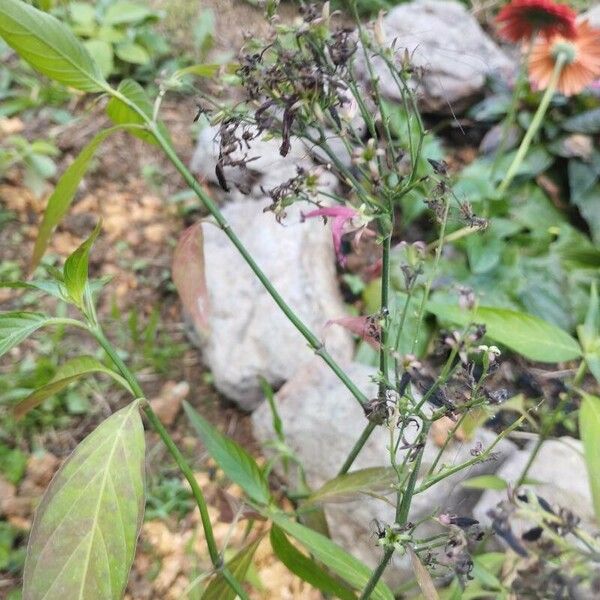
(422,576)
(85,530)
(189,276)
(366,327)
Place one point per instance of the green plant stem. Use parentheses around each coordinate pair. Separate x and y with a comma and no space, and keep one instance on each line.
(66,321)
(399,336)
(385,309)
(377,573)
(548,427)
(186,470)
(403,507)
(534,126)
(512,109)
(455,235)
(362,440)
(436,262)
(402,510)
(483,456)
(449,436)
(308,335)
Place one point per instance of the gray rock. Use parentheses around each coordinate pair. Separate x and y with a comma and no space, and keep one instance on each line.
(446,41)
(249,336)
(266,169)
(322,421)
(560,470)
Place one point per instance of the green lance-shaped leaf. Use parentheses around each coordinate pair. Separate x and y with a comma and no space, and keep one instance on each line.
(85,530)
(121,114)
(306,568)
(66,374)
(76,268)
(51,287)
(349,568)
(589,334)
(526,334)
(235,462)
(17,326)
(218,588)
(62,197)
(345,488)
(589,430)
(585,122)
(49,46)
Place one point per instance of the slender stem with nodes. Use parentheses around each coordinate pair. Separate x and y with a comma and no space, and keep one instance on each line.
(534,126)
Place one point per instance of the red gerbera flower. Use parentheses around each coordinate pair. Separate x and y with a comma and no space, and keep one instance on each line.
(521,19)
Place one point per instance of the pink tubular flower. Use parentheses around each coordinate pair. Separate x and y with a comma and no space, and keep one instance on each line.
(345,219)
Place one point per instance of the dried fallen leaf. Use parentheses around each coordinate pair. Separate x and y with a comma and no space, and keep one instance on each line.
(440,430)
(168,403)
(422,576)
(189,276)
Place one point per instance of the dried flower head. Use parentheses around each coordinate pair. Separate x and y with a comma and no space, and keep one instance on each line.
(521,19)
(582,60)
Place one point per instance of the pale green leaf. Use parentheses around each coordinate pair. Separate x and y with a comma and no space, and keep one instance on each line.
(235,462)
(51,287)
(102,52)
(126,12)
(526,334)
(306,568)
(589,429)
(132,53)
(82,12)
(346,487)
(349,568)
(49,46)
(483,567)
(110,34)
(17,326)
(85,530)
(76,268)
(218,588)
(66,374)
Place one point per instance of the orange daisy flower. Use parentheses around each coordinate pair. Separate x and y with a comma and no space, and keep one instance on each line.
(521,19)
(582,65)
